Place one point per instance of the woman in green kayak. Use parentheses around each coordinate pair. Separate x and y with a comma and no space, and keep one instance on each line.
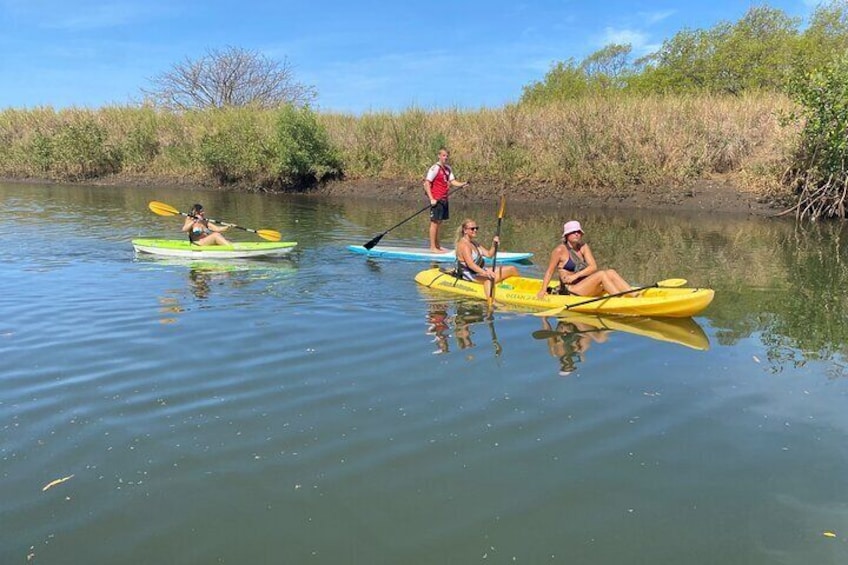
(578,272)
(201,231)
(470,257)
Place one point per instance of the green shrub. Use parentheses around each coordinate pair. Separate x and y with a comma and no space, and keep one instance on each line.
(819,173)
(303,154)
(235,150)
(78,150)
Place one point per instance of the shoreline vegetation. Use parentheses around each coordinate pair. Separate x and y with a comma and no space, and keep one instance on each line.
(619,150)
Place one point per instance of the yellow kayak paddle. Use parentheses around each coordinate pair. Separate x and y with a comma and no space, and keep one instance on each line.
(162,209)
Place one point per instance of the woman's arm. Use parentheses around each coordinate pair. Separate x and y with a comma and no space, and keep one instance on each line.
(549,272)
(463,251)
(590,268)
(490,251)
(216,227)
(187,224)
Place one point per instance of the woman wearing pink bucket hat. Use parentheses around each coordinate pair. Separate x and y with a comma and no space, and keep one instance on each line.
(578,272)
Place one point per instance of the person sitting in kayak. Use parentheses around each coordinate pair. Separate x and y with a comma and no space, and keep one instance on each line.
(578,272)
(470,257)
(200,231)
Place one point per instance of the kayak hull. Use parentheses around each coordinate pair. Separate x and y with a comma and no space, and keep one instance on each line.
(521,292)
(238,250)
(424,254)
(680,331)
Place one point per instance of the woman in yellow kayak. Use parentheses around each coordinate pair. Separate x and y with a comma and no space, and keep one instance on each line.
(201,231)
(578,272)
(471,256)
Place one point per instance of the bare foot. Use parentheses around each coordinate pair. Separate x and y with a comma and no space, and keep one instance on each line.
(438,250)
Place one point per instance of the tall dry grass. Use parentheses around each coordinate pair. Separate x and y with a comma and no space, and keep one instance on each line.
(596,143)
(610,144)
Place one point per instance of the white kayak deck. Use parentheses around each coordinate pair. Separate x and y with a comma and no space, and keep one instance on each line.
(238,250)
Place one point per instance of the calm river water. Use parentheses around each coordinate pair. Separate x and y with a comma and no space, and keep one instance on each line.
(324,409)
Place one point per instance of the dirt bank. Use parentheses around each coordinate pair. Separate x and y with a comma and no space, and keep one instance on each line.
(719,195)
(714,196)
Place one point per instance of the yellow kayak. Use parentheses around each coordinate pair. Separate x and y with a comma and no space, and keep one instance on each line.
(682,331)
(521,291)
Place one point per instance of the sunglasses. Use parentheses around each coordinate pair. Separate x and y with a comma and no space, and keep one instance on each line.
(473,228)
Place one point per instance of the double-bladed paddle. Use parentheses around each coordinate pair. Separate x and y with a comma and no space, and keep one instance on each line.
(668,283)
(162,209)
(376,239)
(501,212)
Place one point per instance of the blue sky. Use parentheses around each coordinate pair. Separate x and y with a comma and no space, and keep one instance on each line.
(361,56)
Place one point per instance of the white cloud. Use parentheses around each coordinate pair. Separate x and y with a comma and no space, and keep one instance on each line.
(650,18)
(637,39)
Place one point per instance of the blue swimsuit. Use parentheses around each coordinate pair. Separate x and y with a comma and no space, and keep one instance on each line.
(574,264)
(199,230)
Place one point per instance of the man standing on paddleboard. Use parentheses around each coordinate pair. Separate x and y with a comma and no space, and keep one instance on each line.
(437,185)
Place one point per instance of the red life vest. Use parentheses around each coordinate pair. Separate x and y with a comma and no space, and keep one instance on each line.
(440,186)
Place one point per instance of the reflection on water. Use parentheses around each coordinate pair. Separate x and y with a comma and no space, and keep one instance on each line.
(201,280)
(575,333)
(467,321)
(570,341)
(205,277)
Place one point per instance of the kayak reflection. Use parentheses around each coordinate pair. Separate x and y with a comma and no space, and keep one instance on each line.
(467,315)
(575,333)
(206,277)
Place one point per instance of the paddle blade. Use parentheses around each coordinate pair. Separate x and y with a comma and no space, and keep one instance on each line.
(552,312)
(672,283)
(546,334)
(502,209)
(270,235)
(371,244)
(163,209)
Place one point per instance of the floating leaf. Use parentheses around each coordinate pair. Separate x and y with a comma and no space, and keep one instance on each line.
(56,482)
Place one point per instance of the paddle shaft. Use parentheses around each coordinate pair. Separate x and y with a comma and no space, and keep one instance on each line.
(547,334)
(667,283)
(162,209)
(376,239)
(501,211)
(228,224)
(266,234)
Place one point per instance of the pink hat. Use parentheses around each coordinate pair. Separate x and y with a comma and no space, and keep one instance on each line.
(571,227)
